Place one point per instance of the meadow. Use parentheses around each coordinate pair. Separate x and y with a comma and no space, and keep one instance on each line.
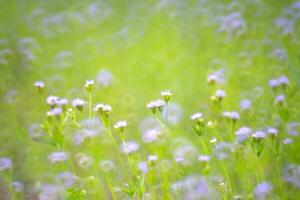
(152,99)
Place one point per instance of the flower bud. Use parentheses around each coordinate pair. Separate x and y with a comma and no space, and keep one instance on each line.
(78,103)
(89,85)
(166,95)
(40,86)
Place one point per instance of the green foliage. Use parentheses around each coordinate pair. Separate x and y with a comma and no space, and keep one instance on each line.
(76,194)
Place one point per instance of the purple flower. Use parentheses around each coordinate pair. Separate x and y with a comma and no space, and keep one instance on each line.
(5,164)
(262,190)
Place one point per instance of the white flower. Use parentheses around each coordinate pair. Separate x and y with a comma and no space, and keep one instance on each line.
(245,104)
(143,167)
(54,112)
(106,108)
(212,78)
(151,135)
(99,107)
(235,115)
(220,94)
(62,102)
(5,164)
(89,84)
(52,100)
(160,103)
(203,158)
(151,105)
(128,147)
(120,124)
(152,158)
(262,190)
(272,131)
(196,116)
(59,156)
(213,140)
(166,95)
(259,135)
(39,84)
(104,78)
(243,133)
(157,104)
(231,115)
(78,102)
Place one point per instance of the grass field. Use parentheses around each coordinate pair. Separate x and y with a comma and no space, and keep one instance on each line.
(235,63)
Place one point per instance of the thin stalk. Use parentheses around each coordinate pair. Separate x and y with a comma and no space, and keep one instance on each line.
(110,187)
(117,150)
(227,178)
(90,105)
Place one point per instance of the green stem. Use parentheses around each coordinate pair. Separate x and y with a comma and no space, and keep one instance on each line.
(110,187)
(90,105)
(227,178)
(117,151)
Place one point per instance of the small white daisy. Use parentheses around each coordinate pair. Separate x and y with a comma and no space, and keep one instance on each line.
(259,135)
(243,133)
(62,102)
(245,104)
(203,158)
(40,85)
(52,100)
(128,147)
(54,112)
(120,124)
(99,107)
(196,116)
(220,94)
(89,84)
(272,131)
(78,103)
(166,95)
(212,79)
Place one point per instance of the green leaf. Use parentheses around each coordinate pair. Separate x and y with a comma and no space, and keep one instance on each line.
(76,194)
